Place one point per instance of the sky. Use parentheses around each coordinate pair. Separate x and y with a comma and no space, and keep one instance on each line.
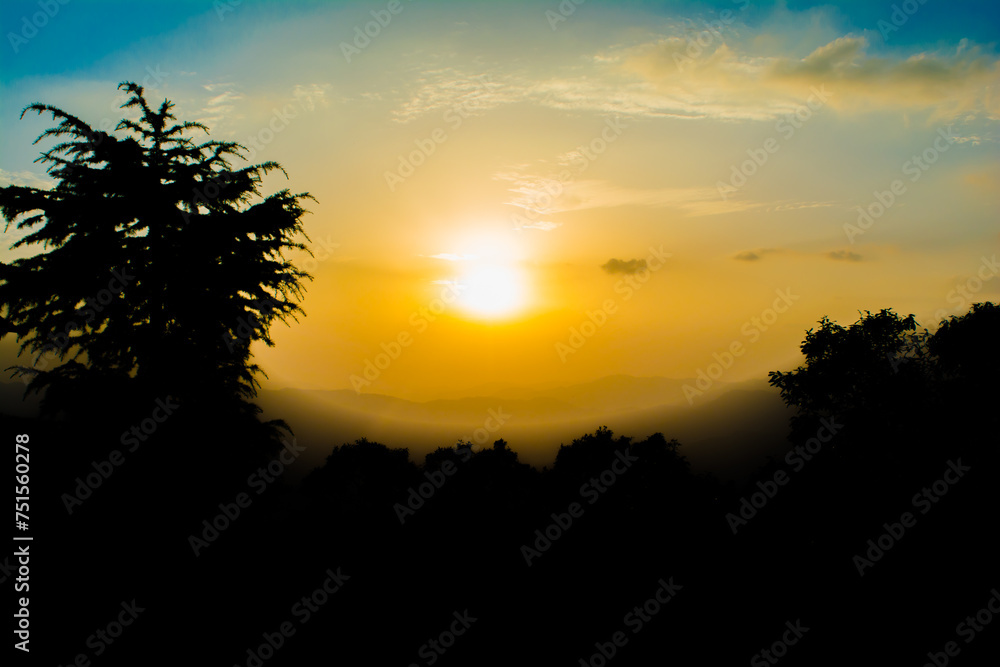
(537,193)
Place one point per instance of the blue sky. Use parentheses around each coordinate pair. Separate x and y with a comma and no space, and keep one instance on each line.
(68,44)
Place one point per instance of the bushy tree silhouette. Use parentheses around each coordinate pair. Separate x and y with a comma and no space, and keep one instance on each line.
(860,367)
(901,396)
(965,346)
(161,267)
(966,367)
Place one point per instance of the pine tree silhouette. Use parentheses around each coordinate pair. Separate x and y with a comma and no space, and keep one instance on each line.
(164,263)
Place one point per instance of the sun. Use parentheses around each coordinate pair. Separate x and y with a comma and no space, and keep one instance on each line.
(491,291)
(488,272)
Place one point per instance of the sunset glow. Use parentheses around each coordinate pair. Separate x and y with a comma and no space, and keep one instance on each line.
(498,332)
(760,154)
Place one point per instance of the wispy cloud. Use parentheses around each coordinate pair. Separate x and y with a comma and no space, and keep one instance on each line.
(221,108)
(449,90)
(541,195)
(26,178)
(656,78)
(311,96)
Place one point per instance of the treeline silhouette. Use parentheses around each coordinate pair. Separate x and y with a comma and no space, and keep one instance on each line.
(884,414)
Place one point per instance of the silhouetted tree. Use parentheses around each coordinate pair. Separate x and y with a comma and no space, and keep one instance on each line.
(901,397)
(871,376)
(361,481)
(161,269)
(965,347)
(966,368)
(847,369)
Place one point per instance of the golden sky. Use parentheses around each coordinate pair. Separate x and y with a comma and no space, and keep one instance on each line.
(664,181)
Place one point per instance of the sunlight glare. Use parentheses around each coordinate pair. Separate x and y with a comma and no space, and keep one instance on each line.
(491,290)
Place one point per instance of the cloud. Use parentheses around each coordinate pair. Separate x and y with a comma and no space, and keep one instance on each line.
(26,178)
(541,195)
(955,84)
(309,96)
(755,255)
(455,93)
(844,255)
(727,82)
(624,266)
(797,205)
(729,79)
(221,107)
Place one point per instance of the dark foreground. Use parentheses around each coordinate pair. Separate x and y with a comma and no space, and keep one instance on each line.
(879,547)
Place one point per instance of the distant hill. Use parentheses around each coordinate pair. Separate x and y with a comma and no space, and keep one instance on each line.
(729,430)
